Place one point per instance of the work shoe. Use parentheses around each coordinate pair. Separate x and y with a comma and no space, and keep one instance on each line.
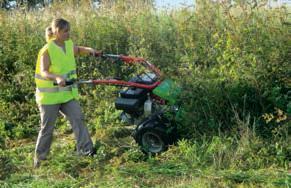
(36,163)
(92,153)
(88,153)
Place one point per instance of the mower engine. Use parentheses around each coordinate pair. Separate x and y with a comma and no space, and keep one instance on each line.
(132,100)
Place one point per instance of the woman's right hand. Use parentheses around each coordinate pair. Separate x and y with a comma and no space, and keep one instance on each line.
(61,81)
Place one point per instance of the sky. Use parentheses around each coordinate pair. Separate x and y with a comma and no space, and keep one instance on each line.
(183,3)
(174,3)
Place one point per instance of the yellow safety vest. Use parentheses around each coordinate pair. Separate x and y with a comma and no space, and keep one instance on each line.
(61,63)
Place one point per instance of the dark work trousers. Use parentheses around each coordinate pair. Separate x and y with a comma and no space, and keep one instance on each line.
(72,111)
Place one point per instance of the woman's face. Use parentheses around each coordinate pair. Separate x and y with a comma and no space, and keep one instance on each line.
(63,34)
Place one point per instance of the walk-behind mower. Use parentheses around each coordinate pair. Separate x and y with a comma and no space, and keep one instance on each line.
(147,101)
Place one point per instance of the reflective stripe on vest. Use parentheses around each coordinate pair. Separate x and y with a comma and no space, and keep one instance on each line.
(56,89)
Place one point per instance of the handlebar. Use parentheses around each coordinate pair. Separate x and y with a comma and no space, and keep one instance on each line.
(118,81)
(127,59)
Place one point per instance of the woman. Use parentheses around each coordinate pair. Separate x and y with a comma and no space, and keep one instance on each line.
(56,65)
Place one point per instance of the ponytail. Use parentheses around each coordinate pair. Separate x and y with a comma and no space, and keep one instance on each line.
(56,25)
(49,34)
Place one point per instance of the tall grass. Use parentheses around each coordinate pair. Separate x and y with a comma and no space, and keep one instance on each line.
(232,62)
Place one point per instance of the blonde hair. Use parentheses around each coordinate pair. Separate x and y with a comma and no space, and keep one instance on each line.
(49,34)
(56,25)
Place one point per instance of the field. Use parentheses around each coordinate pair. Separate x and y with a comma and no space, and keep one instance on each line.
(232,61)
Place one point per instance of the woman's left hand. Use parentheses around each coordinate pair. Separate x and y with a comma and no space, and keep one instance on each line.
(96,53)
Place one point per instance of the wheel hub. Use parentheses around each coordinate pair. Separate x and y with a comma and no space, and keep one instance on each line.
(152,142)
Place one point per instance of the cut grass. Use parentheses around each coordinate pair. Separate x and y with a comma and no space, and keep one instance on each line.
(66,169)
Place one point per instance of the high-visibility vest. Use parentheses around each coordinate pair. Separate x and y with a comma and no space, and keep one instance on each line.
(62,64)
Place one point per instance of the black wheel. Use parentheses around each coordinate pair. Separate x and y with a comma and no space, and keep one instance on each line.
(155,134)
(152,140)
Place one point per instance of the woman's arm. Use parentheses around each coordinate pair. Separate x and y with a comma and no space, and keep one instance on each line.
(82,50)
(44,70)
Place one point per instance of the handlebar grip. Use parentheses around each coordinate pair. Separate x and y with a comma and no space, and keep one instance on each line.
(97,54)
(113,56)
(67,83)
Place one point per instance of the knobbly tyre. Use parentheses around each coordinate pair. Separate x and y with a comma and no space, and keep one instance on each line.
(147,101)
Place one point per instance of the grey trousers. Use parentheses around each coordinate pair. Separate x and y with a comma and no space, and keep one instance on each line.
(72,111)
